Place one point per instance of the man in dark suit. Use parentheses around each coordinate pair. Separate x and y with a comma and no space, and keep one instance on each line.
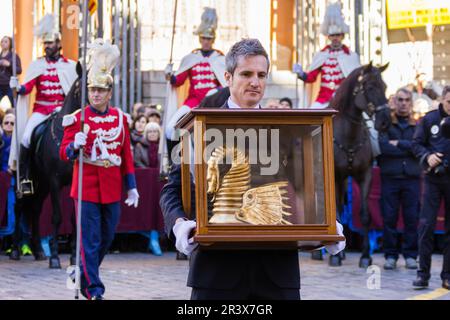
(232,274)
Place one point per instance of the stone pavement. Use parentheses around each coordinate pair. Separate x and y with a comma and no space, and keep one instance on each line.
(144,276)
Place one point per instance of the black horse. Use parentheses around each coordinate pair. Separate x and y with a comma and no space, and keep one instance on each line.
(49,174)
(362,91)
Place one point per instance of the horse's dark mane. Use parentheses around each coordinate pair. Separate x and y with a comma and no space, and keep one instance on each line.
(71,102)
(344,97)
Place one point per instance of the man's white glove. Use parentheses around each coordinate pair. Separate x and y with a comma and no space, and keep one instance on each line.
(133,198)
(80,140)
(14,83)
(297,68)
(182,230)
(337,247)
(169,69)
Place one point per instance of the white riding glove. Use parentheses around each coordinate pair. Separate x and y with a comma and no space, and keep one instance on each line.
(80,140)
(133,198)
(298,69)
(182,230)
(14,83)
(337,247)
(169,69)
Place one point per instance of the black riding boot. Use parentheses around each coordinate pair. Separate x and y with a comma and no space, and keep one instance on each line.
(26,185)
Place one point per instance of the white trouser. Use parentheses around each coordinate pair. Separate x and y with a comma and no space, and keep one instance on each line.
(170,128)
(35,119)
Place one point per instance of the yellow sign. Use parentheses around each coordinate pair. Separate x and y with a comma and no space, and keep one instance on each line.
(417,13)
(92,6)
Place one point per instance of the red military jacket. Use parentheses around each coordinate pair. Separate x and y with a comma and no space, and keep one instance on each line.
(201,79)
(48,89)
(107,154)
(331,74)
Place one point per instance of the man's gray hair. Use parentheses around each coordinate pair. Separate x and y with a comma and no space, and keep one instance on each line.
(244,48)
(405,91)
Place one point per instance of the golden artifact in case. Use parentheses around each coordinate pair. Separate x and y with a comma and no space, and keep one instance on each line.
(261,176)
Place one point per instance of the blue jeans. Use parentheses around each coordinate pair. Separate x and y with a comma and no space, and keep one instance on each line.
(98,225)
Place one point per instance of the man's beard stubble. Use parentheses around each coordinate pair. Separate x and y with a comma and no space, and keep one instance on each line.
(52,52)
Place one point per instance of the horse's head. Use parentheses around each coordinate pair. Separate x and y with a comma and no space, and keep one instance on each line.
(370,95)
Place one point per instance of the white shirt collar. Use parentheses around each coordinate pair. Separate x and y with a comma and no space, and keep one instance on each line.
(233,105)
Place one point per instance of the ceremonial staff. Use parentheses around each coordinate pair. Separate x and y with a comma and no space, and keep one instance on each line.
(14,71)
(164,158)
(173,30)
(85,16)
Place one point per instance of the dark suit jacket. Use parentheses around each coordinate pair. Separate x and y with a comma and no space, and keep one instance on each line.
(217,99)
(223,269)
(398,161)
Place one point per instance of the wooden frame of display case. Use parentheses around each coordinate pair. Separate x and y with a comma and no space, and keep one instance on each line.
(207,233)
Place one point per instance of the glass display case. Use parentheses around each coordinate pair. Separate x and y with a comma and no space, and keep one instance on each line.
(260,176)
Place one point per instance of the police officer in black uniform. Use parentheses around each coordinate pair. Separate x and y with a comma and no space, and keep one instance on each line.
(431,144)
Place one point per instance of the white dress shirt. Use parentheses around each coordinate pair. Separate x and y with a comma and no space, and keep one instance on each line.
(233,105)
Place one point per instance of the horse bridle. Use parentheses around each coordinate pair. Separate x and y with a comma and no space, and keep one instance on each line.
(359,89)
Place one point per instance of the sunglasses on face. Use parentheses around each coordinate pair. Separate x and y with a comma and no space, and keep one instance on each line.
(403,99)
(8,122)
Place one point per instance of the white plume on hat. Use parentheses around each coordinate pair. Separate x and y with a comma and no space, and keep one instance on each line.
(46,28)
(208,24)
(334,22)
(103,57)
